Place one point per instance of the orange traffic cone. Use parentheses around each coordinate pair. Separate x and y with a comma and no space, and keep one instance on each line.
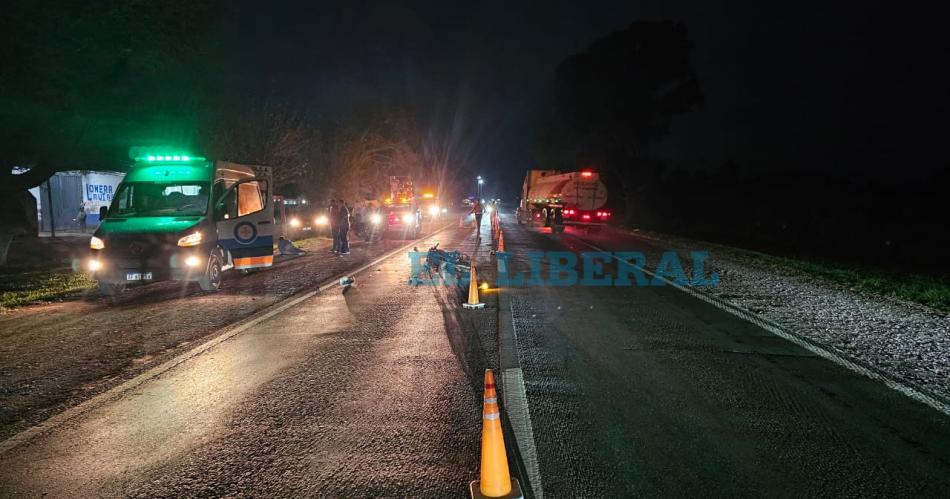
(473,291)
(501,241)
(494,479)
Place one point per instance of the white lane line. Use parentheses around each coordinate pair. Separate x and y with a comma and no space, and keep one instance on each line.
(738,311)
(515,396)
(516,405)
(231,331)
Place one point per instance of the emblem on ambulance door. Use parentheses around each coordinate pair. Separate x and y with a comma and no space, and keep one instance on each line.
(245,232)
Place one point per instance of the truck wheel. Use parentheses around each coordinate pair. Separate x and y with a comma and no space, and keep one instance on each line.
(111,288)
(211,280)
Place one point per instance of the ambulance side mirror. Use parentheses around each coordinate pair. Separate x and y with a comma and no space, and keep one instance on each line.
(103,212)
(219,211)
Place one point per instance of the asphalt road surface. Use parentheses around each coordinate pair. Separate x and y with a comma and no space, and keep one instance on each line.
(362,393)
(648,392)
(376,392)
(57,355)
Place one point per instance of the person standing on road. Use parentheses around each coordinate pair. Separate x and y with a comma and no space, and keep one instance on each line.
(81,218)
(334,227)
(343,226)
(477,210)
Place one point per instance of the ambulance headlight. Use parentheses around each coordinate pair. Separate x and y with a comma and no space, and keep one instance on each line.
(94,265)
(96,243)
(190,240)
(321,220)
(407,218)
(295,222)
(433,210)
(375,219)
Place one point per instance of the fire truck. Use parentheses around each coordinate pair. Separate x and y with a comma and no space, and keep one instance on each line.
(579,196)
(403,214)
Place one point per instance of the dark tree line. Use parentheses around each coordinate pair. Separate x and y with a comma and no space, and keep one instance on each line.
(82,84)
(619,97)
(894,224)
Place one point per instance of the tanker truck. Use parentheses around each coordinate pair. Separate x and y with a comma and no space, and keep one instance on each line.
(580,196)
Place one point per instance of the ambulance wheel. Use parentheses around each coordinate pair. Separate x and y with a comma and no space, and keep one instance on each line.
(111,288)
(211,280)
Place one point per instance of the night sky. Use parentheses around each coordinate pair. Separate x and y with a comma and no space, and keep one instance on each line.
(859,90)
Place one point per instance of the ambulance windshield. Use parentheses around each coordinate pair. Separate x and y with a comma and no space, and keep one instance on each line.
(155,199)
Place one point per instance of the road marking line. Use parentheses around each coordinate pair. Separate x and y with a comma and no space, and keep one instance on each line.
(515,396)
(231,331)
(516,405)
(890,381)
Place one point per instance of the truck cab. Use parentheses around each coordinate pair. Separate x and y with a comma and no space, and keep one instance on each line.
(403,220)
(184,218)
(403,214)
(296,217)
(431,208)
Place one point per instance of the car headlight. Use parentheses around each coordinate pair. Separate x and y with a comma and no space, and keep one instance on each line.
(96,243)
(94,265)
(192,261)
(375,218)
(407,218)
(433,210)
(322,220)
(295,222)
(190,240)
(445,210)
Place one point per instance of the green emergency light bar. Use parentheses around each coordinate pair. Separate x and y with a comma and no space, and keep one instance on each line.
(169,158)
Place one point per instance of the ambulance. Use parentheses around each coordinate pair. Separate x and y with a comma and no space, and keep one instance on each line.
(186,218)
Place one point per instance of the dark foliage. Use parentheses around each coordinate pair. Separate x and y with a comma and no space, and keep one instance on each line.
(897,225)
(82,82)
(617,98)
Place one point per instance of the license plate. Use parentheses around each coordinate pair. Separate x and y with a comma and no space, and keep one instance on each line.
(138,276)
